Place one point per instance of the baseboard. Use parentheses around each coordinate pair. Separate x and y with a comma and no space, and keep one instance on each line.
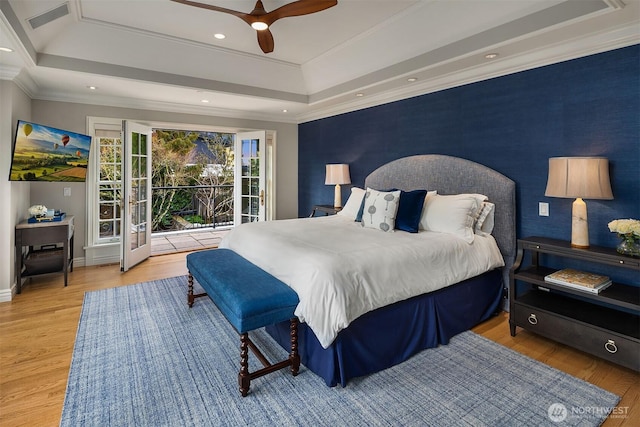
(6,295)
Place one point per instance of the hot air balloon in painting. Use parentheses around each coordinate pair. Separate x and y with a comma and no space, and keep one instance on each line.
(65,140)
(78,153)
(55,145)
(27,129)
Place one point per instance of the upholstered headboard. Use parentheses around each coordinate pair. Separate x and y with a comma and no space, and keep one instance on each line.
(453,175)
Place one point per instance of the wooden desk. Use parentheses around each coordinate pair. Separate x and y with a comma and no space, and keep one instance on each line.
(39,234)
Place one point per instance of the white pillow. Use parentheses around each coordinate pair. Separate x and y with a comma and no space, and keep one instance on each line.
(486,220)
(451,214)
(479,197)
(380,209)
(351,208)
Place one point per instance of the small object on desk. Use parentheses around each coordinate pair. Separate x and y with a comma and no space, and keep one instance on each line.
(327,209)
(588,282)
(59,216)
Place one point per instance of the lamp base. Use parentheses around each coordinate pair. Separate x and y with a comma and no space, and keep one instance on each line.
(337,197)
(579,225)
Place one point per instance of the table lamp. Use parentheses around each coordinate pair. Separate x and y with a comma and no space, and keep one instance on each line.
(579,178)
(337,174)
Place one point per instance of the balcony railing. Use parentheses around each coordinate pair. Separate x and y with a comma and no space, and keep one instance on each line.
(192,207)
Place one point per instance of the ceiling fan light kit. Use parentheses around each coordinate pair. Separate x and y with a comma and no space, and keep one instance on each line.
(261,20)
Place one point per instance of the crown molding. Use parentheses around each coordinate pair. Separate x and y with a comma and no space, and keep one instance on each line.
(8,72)
(141,104)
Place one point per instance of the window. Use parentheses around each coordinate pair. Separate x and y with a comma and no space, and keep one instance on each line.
(109,188)
(104,182)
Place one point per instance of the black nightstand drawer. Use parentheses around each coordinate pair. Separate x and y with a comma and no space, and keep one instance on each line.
(603,343)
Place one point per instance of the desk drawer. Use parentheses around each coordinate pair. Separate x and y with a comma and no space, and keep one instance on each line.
(44,235)
(608,345)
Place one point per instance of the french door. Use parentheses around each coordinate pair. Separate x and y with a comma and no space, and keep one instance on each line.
(136,226)
(250,171)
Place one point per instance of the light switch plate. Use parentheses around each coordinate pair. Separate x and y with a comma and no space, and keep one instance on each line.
(543,209)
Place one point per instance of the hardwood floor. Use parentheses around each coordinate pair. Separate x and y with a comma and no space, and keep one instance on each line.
(38,328)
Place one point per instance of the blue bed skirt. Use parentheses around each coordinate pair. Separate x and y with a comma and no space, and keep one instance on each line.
(389,335)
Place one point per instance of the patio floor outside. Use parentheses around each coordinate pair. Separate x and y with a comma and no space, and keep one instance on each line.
(167,243)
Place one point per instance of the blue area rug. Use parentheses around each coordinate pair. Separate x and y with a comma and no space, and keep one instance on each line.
(143,358)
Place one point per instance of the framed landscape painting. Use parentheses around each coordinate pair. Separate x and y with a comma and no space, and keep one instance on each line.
(44,153)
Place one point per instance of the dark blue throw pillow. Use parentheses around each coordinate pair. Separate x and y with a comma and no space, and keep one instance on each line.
(410,210)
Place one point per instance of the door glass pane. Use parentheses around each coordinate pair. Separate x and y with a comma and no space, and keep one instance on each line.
(135,143)
(135,173)
(143,144)
(142,235)
(142,206)
(246,148)
(142,189)
(143,167)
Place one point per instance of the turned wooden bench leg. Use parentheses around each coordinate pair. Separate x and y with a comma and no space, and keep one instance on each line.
(190,295)
(244,378)
(294,357)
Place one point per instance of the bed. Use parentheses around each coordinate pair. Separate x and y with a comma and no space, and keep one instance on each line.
(371,299)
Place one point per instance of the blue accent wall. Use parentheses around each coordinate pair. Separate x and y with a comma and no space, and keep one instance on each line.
(583,107)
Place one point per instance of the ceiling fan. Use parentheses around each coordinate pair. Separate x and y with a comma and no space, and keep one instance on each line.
(260,19)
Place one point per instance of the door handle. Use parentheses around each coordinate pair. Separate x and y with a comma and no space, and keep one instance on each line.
(261,197)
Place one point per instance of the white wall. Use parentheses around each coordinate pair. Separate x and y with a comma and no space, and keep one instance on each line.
(14,196)
(73,117)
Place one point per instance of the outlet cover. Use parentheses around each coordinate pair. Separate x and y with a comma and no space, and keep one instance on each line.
(67,191)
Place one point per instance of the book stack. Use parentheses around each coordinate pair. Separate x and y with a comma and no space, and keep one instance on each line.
(580,280)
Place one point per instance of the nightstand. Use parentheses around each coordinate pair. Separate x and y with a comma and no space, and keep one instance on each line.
(605,324)
(327,209)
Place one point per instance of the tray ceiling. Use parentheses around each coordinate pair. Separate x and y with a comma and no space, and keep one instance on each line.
(158,54)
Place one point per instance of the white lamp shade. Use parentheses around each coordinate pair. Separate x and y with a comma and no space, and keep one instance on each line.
(337,174)
(584,177)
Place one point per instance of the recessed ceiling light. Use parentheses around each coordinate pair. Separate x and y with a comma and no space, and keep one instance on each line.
(219,36)
(205,101)
(359,94)
(5,49)
(92,87)
(491,55)
(412,79)
(285,110)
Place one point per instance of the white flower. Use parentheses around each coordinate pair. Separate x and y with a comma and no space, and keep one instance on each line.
(37,210)
(625,227)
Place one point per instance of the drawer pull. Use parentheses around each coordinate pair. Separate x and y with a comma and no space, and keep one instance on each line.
(534,320)
(610,346)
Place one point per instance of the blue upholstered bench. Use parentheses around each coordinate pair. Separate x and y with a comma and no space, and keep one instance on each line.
(249,298)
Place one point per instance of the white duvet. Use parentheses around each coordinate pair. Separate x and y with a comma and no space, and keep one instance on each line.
(341,270)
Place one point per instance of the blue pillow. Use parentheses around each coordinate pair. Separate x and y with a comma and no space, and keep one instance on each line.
(410,210)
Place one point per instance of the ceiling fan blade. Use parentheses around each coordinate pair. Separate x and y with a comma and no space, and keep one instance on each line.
(265,40)
(244,16)
(298,8)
